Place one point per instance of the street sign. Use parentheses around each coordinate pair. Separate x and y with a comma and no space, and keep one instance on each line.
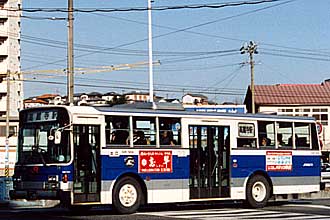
(319,128)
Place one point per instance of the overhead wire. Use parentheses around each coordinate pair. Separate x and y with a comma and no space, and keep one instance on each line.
(155,8)
(180,30)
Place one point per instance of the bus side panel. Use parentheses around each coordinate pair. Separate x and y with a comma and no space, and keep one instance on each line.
(304,177)
(163,184)
(300,175)
(242,166)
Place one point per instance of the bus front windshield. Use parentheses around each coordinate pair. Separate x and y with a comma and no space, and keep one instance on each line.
(37,141)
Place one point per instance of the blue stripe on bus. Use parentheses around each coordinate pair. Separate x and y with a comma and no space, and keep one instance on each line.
(246,165)
(112,167)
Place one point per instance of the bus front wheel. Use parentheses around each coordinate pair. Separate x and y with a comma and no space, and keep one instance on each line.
(257,192)
(127,196)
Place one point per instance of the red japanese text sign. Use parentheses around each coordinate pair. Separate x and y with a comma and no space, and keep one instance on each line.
(279,161)
(155,161)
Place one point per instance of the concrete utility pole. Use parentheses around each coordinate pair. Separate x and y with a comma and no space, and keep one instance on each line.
(7,126)
(151,87)
(70,69)
(251,48)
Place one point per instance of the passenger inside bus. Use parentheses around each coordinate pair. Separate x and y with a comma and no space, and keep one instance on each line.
(265,142)
(139,138)
(290,141)
(167,138)
(120,135)
(280,141)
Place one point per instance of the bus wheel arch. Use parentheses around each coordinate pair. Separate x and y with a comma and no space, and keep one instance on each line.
(258,190)
(128,193)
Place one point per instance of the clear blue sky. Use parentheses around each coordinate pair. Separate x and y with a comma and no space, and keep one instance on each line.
(292,38)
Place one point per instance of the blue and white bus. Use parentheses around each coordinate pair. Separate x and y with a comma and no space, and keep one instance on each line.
(127,157)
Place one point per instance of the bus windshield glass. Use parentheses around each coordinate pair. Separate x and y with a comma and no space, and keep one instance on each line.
(44,136)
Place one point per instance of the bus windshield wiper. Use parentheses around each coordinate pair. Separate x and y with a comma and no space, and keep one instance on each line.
(39,151)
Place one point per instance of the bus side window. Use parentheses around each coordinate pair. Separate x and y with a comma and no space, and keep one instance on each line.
(144,131)
(302,132)
(266,134)
(169,131)
(284,135)
(246,143)
(117,130)
(314,134)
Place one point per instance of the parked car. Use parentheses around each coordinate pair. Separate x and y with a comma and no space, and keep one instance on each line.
(325,167)
(325,175)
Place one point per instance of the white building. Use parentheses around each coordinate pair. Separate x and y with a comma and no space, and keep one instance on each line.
(10,57)
(10,67)
(192,99)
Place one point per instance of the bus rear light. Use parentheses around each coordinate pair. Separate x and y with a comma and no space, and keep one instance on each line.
(65,178)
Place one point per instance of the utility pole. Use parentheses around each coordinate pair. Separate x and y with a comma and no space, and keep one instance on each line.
(70,69)
(7,126)
(251,48)
(151,89)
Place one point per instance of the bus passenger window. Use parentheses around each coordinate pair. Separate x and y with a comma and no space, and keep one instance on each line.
(302,136)
(266,134)
(246,143)
(169,131)
(117,130)
(144,132)
(284,135)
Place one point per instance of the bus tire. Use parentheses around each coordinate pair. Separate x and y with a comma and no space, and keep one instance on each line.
(127,196)
(257,192)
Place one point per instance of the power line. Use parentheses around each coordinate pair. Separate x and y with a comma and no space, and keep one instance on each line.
(154,8)
(179,90)
(298,57)
(128,88)
(176,31)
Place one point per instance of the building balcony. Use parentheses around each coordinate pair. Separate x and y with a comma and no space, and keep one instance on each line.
(3,48)
(3,13)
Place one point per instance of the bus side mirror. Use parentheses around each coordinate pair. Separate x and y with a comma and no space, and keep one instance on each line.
(57,139)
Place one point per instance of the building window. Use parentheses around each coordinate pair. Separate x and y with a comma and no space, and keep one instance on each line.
(12,131)
(322,118)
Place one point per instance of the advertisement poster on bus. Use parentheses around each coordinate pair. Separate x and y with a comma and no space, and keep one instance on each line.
(279,161)
(155,161)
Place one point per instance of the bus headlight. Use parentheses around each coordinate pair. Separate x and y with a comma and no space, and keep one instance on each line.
(52,178)
(17,179)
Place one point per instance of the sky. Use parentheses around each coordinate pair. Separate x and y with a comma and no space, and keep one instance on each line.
(198,48)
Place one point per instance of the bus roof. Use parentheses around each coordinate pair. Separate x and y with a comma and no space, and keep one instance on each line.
(176,112)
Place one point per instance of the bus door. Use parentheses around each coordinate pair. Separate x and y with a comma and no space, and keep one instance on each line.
(87,176)
(209,161)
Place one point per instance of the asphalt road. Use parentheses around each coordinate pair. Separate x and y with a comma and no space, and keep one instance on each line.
(302,209)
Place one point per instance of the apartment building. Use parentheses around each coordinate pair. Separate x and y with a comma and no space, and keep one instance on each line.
(10,68)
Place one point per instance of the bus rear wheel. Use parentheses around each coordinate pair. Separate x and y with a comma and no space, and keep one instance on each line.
(257,192)
(127,196)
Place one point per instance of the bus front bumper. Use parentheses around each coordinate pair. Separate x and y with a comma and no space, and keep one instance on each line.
(34,194)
